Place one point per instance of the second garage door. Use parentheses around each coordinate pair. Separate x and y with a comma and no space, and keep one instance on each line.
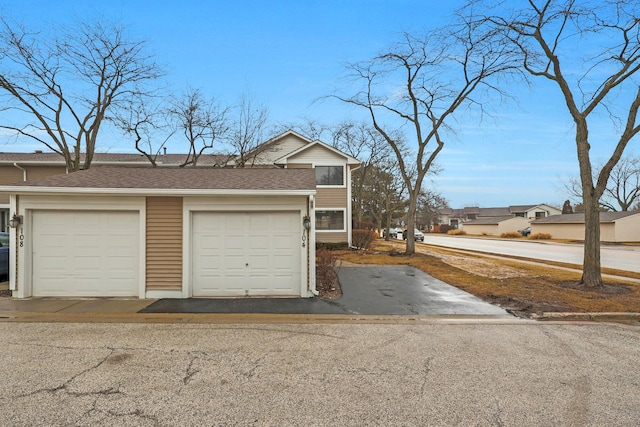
(246,253)
(85,253)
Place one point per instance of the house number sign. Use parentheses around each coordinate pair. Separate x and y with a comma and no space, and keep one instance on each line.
(21,238)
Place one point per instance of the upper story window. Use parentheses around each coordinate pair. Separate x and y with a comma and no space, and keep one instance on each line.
(329,175)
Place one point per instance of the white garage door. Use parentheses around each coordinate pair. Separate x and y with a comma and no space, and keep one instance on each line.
(85,253)
(246,253)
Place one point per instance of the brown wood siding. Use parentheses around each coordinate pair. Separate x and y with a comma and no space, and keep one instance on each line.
(10,174)
(332,237)
(299,165)
(331,198)
(37,172)
(164,243)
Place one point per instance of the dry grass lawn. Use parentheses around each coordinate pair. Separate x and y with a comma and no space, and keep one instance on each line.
(522,288)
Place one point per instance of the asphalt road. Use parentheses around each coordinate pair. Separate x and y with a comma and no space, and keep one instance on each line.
(626,258)
(450,372)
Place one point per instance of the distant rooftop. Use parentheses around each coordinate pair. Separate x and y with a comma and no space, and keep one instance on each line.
(113,158)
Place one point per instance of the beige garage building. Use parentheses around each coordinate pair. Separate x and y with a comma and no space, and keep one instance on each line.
(494,226)
(614,226)
(164,233)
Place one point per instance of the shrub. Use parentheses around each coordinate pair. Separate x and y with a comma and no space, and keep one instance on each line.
(511,235)
(540,236)
(361,239)
(456,232)
(332,246)
(325,273)
(444,228)
(363,225)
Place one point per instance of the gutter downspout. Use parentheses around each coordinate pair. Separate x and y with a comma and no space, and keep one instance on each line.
(13,245)
(24,171)
(312,247)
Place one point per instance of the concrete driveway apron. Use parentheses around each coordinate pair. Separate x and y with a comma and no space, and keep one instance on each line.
(369,290)
(405,290)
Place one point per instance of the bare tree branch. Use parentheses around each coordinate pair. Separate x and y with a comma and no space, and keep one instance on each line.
(63,87)
(546,33)
(416,88)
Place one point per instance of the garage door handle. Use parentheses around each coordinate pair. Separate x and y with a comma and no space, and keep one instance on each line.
(246,265)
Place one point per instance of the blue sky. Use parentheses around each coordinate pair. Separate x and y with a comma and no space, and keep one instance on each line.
(286,54)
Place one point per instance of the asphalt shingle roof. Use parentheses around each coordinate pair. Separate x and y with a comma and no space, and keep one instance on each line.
(161,160)
(579,217)
(489,220)
(180,178)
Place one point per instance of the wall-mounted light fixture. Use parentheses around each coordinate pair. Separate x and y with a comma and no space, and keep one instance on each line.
(306,222)
(15,221)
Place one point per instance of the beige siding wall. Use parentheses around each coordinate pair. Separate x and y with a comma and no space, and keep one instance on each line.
(36,172)
(10,174)
(331,198)
(318,155)
(164,243)
(560,231)
(331,237)
(548,211)
(284,146)
(513,224)
(609,232)
(481,229)
(628,229)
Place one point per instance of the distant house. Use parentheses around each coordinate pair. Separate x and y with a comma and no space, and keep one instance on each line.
(614,226)
(456,217)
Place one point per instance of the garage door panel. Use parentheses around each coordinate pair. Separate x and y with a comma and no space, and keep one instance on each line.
(255,248)
(96,255)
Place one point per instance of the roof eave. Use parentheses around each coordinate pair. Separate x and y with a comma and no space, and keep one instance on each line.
(151,191)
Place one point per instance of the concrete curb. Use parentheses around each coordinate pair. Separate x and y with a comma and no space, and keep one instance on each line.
(253,318)
(594,317)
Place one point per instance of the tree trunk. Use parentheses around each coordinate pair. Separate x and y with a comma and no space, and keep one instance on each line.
(388,221)
(411,221)
(591,268)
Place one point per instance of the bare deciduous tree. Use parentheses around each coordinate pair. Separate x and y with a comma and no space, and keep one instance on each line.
(548,35)
(61,88)
(365,144)
(415,89)
(429,204)
(201,123)
(146,123)
(247,133)
(623,189)
(622,192)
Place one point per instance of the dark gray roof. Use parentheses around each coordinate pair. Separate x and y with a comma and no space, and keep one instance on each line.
(493,212)
(578,218)
(520,208)
(495,220)
(179,178)
(161,160)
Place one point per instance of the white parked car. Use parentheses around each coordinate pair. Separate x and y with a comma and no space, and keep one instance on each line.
(418,236)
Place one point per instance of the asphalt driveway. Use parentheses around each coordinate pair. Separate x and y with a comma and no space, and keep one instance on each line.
(370,290)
